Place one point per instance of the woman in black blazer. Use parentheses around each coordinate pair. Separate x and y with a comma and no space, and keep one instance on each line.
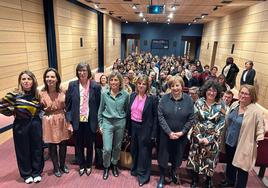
(82,104)
(248,75)
(142,118)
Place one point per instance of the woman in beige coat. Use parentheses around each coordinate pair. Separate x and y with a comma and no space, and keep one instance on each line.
(244,128)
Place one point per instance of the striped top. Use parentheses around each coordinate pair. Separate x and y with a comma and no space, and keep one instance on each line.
(20,105)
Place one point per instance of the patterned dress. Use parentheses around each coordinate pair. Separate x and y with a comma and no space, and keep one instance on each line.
(209,124)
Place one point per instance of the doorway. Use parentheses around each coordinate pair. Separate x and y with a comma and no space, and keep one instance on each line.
(191,46)
(130,44)
(214,53)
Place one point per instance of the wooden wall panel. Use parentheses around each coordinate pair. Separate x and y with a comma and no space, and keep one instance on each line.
(248,30)
(72,23)
(112,40)
(22,41)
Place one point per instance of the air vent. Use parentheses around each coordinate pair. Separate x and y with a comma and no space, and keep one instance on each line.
(103,8)
(90,1)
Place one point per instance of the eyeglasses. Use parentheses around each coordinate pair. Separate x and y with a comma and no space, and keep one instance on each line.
(245,94)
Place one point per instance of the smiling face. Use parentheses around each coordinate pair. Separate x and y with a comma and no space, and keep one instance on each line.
(176,88)
(83,74)
(51,79)
(114,83)
(103,80)
(244,96)
(26,82)
(211,94)
(141,87)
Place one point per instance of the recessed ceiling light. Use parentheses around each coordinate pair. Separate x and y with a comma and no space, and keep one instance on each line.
(96,6)
(168,20)
(189,24)
(147,22)
(173,7)
(126,21)
(170,15)
(134,6)
(141,14)
(144,19)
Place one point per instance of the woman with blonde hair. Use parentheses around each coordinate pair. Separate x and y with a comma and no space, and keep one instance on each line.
(244,129)
(176,116)
(24,105)
(142,118)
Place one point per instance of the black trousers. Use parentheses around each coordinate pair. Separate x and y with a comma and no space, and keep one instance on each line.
(84,139)
(27,134)
(234,175)
(141,152)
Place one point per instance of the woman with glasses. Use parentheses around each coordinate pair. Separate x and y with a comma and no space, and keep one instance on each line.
(244,128)
(205,134)
(82,104)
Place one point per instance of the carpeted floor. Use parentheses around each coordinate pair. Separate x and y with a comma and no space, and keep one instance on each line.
(10,178)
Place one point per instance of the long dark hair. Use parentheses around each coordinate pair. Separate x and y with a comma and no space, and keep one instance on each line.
(58,79)
(211,84)
(34,86)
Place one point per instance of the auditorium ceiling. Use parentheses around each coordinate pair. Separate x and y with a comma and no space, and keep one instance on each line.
(175,11)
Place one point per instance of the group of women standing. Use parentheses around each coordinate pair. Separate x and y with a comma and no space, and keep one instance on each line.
(86,105)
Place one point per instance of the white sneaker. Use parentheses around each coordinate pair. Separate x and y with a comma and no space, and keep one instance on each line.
(37,179)
(29,180)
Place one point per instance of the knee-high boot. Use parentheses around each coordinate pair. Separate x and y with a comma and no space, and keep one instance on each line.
(160,183)
(208,182)
(62,154)
(54,157)
(195,179)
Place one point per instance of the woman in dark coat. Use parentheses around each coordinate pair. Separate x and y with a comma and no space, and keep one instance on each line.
(248,74)
(176,116)
(142,116)
(230,71)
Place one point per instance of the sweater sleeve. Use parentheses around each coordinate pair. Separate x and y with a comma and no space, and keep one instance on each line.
(161,118)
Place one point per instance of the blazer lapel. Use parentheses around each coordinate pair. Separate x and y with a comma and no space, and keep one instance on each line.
(132,98)
(91,90)
(76,89)
(147,102)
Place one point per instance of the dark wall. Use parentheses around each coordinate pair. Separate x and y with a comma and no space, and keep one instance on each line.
(171,32)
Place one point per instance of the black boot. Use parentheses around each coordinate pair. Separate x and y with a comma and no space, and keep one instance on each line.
(105,173)
(54,157)
(62,153)
(161,181)
(174,176)
(208,182)
(195,179)
(115,171)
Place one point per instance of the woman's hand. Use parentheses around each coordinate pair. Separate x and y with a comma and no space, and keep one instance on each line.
(204,141)
(173,136)
(100,130)
(179,134)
